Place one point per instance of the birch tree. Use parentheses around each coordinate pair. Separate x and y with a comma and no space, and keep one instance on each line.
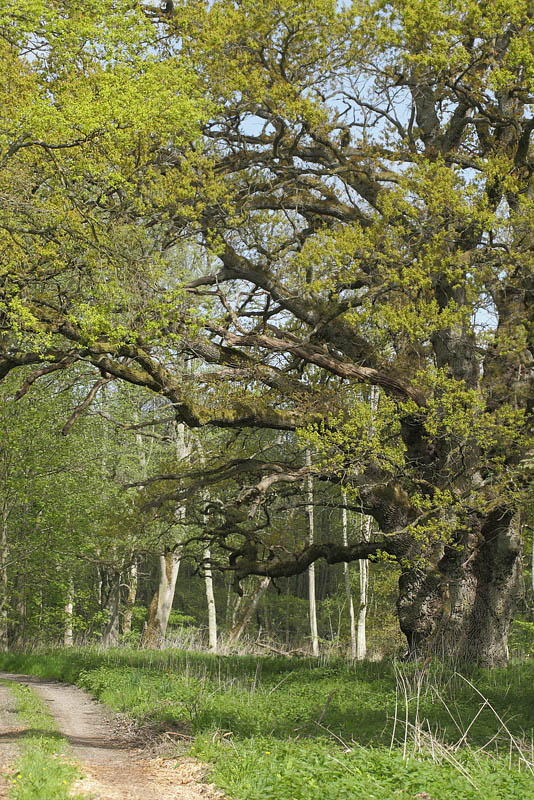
(312,604)
(354,649)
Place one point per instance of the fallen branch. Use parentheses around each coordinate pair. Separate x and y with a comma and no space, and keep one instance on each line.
(287,653)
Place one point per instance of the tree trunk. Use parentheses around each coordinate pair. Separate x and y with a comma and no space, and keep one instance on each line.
(247,612)
(210,597)
(348,589)
(461,608)
(130,599)
(208,575)
(230,605)
(169,566)
(68,638)
(161,605)
(361,648)
(311,569)
(22,610)
(110,635)
(4,553)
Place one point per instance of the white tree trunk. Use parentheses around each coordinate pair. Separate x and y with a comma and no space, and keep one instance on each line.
(311,568)
(130,600)
(247,612)
(348,590)
(68,638)
(169,566)
(361,648)
(161,605)
(210,597)
(208,575)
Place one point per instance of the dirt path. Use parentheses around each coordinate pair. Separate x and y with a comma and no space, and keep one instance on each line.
(10,730)
(115,767)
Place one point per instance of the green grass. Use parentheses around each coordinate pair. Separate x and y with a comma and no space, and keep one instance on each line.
(286,729)
(43,770)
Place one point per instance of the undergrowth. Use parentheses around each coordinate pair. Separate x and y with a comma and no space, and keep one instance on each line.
(299,729)
(43,770)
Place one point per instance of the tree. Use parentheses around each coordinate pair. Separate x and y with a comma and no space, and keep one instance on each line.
(355,185)
(312,604)
(354,650)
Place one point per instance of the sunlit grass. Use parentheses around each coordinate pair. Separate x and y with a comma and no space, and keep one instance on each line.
(44,769)
(287,729)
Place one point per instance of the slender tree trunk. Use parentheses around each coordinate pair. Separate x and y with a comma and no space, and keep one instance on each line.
(21,619)
(99,583)
(210,597)
(364,587)
(230,606)
(132,579)
(169,566)
(311,569)
(462,604)
(361,647)
(4,554)
(208,574)
(130,599)
(68,638)
(236,609)
(247,611)
(110,635)
(161,605)
(348,589)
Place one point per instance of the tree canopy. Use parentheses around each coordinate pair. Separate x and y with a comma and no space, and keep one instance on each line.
(261,212)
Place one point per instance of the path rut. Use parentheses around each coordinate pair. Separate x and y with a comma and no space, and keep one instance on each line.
(114,768)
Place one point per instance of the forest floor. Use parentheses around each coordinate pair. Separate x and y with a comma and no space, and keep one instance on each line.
(118,763)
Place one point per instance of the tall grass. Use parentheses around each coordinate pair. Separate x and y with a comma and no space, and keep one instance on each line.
(287,729)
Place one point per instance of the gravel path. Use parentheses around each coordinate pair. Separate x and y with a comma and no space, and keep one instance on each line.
(114,767)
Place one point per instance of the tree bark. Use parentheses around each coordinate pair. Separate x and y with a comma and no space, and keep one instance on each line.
(208,575)
(348,589)
(361,647)
(110,635)
(247,612)
(130,599)
(4,553)
(461,607)
(210,597)
(68,638)
(161,605)
(311,569)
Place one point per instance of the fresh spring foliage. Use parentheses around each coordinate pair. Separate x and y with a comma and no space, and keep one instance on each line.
(314,218)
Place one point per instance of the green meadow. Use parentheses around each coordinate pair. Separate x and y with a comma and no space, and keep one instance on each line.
(299,729)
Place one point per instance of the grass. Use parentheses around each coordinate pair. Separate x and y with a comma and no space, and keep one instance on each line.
(281,729)
(43,770)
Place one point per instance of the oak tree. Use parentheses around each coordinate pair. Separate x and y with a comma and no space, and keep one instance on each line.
(309,199)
